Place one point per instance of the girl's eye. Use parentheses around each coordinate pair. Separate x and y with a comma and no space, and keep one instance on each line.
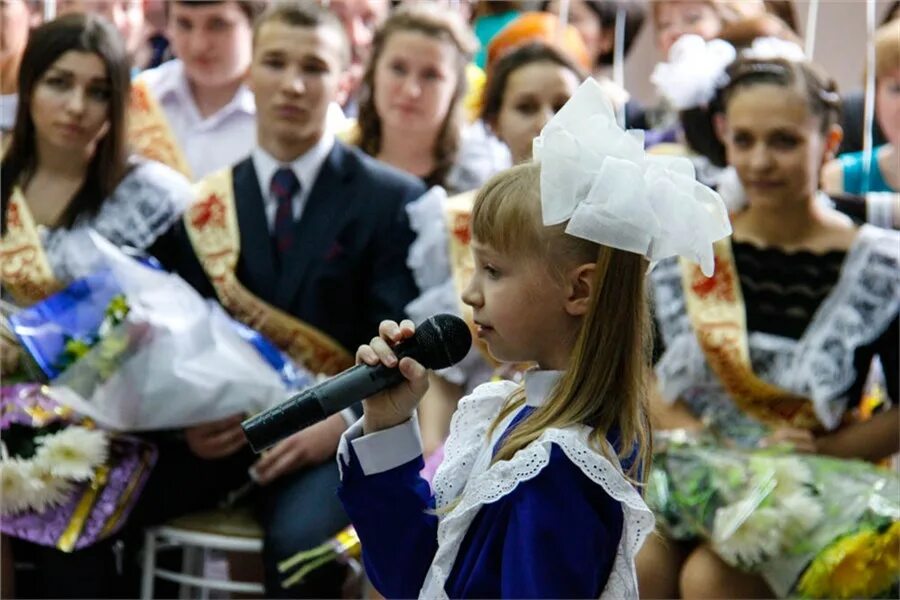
(314,69)
(431,75)
(491,271)
(527,107)
(742,140)
(101,94)
(56,82)
(784,142)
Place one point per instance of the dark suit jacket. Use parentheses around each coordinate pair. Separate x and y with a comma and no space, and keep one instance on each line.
(346,271)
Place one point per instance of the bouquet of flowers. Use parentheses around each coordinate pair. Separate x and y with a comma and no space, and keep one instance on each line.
(64,482)
(810,525)
(136,349)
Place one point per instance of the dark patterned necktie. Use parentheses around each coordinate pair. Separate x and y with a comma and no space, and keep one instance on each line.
(284,187)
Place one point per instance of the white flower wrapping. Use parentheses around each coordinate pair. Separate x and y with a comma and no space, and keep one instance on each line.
(598,177)
(776,512)
(46,479)
(186,364)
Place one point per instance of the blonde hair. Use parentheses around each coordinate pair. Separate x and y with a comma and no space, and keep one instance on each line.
(887,48)
(605,384)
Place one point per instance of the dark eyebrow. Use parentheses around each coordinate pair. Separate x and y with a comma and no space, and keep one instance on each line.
(60,71)
(784,131)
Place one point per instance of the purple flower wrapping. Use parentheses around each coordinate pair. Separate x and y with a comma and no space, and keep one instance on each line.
(95,510)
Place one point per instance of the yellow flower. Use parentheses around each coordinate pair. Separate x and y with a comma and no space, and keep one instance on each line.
(862,565)
(886,558)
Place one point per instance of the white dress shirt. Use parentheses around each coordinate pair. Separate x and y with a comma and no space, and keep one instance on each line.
(306,167)
(211,143)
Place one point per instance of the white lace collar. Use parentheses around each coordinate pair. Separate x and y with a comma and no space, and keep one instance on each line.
(538,385)
(471,483)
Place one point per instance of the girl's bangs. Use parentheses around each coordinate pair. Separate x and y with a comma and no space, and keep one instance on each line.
(507,212)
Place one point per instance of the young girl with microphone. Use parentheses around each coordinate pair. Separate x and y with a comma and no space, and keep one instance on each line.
(538,495)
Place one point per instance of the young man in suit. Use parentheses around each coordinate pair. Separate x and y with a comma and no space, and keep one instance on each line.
(306,240)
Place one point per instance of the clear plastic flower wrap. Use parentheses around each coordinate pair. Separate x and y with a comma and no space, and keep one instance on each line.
(794,519)
(135,348)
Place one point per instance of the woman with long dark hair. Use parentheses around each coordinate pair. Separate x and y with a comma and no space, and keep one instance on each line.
(67,167)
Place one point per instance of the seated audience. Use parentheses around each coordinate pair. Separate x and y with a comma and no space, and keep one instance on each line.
(16,17)
(794,275)
(849,172)
(196,113)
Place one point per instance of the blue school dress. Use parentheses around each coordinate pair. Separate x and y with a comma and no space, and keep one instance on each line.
(558,520)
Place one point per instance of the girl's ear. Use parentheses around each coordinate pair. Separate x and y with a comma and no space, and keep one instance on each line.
(832,142)
(345,85)
(720,124)
(580,289)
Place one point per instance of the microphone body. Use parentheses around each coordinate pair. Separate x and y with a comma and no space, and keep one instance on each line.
(318,403)
(439,342)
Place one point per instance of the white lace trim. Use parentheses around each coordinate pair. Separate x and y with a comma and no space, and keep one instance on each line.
(466,474)
(428,257)
(429,261)
(147,202)
(880,209)
(864,301)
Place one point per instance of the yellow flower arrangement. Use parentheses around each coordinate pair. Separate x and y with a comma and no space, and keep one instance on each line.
(862,565)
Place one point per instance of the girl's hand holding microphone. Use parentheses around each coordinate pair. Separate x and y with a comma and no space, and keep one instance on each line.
(397,404)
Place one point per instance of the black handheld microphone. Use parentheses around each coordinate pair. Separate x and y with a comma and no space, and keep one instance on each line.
(439,342)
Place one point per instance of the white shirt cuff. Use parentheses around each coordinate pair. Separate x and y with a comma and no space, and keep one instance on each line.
(349,416)
(382,450)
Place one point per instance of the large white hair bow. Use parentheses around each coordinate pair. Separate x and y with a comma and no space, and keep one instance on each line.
(597,177)
(769,48)
(693,72)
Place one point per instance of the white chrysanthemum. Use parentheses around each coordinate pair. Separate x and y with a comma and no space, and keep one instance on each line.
(801,513)
(48,490)
(791,475)
(744,535)
(73,453)
(16,486)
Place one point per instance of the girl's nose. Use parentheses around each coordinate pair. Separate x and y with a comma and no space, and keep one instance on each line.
(75,104)
(471,296)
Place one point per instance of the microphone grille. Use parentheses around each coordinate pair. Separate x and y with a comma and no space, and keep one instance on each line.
(442,340)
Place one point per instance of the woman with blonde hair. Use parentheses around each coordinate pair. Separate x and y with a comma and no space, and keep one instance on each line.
(411,115)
